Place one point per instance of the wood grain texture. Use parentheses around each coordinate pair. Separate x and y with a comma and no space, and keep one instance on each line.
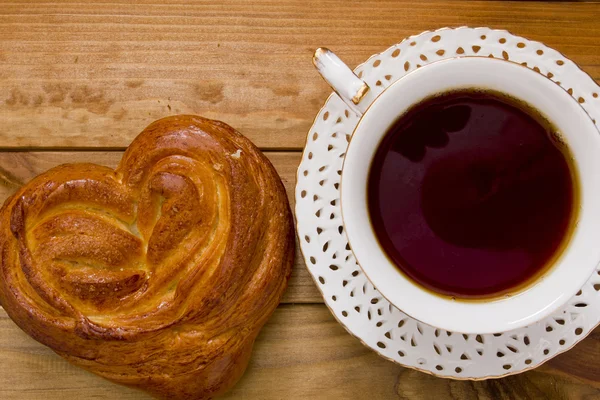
(87,74)
(77,75)
(16,168)
(302,353)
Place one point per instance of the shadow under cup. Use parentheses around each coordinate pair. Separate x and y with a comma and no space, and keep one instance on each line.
(541,293)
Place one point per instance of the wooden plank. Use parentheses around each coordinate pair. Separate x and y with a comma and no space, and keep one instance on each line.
(88,74)
(303,353)
(16,168)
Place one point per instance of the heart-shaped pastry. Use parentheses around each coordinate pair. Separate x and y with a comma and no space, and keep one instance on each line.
(158,274)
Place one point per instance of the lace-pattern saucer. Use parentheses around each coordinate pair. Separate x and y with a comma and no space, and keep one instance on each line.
(348,293)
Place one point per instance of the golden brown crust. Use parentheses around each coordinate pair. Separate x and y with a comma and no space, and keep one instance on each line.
(158,274)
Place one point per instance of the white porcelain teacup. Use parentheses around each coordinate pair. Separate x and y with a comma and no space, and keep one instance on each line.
(551,290)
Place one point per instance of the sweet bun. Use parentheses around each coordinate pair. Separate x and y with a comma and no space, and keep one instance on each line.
(158,274)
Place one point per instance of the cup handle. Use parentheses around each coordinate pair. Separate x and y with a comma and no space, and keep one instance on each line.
(349,87)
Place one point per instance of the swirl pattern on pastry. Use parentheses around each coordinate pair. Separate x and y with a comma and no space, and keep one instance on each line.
(158,274)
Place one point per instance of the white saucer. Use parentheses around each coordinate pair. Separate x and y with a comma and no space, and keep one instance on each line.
(347,292)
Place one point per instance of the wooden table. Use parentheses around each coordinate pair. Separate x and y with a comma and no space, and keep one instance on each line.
(79,81)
